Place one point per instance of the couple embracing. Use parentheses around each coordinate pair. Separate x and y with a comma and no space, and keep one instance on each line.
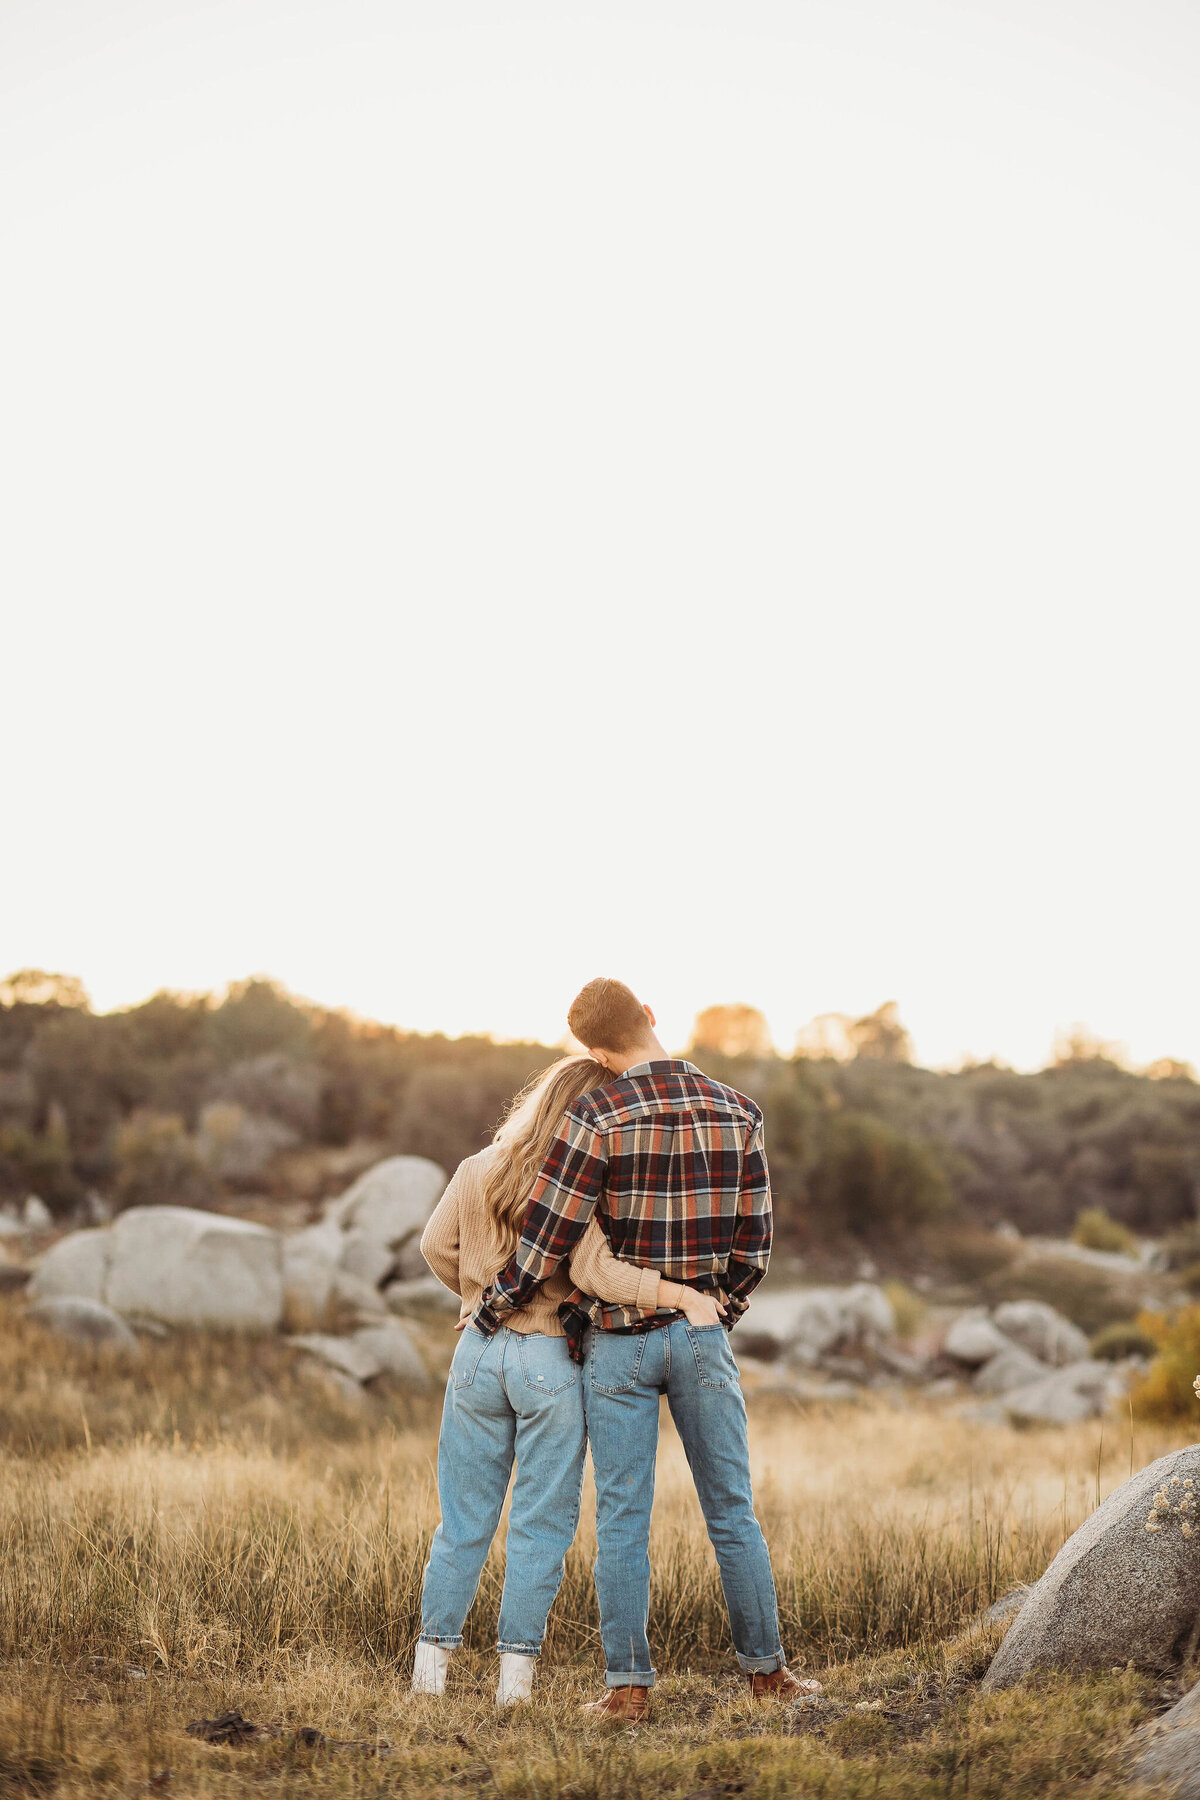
(602,1247)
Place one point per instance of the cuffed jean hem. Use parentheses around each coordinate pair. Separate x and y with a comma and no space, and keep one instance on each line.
(514,1649)
(628,1678)
(761,1665)
(447,1643)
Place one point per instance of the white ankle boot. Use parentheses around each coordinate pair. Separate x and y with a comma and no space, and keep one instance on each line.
(516,1678)
(429,1668)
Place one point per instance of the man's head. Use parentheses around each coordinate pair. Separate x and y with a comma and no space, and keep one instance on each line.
(611,1023)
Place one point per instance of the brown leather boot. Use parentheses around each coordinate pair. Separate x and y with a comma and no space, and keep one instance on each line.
(628,1704)
(781,1684)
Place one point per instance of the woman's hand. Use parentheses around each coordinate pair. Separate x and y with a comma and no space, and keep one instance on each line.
(698,1309)
(464,1318)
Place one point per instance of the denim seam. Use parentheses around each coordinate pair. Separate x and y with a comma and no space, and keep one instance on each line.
(506,1648)
(447,1643)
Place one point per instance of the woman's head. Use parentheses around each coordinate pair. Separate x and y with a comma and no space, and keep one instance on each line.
(529,1128)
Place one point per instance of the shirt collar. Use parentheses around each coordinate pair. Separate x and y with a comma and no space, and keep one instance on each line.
(659,1062)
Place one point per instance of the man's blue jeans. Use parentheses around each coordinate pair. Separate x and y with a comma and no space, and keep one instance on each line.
(509,1397)
(695,1369)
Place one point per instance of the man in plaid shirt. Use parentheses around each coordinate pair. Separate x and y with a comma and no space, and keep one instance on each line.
(673,1165)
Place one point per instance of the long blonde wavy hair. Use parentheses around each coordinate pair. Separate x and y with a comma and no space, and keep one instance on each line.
(529,1128)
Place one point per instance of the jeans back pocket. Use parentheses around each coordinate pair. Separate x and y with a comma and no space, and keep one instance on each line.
(614,1360)
(545,1365)
(467,1356)
(714,1357)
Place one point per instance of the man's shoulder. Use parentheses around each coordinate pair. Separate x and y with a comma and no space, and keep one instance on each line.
(731,1100)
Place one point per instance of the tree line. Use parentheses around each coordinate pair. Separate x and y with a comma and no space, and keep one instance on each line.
(190,1099)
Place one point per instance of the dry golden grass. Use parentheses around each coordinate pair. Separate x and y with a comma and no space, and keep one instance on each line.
(205,1528)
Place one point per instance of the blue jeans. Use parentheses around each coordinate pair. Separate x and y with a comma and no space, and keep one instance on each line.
(695,1369)
(510,1397)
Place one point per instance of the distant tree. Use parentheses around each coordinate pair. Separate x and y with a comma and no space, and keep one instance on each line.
(827,1037)
(35,987)
(732,1030)
(880,1037)
(870,1179)
(1079,1044)
(1166,1068)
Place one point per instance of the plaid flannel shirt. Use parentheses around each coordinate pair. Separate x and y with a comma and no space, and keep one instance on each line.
(674,1163)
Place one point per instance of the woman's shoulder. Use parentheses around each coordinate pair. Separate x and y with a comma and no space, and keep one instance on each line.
(473,1168)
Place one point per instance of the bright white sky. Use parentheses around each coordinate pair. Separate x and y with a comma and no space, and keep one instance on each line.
(495,494)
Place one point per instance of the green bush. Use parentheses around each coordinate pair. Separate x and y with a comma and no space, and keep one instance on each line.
(1127,1338)
(157,1164)
(870,1179)
(968,1253)
(1094,1230)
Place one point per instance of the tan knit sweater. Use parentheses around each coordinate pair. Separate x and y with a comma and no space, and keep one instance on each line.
(459,1248)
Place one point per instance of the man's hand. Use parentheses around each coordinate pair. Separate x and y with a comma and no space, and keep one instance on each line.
(700,1309)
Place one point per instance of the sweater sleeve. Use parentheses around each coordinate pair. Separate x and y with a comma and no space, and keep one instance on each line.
(595,1270)
(439,1240)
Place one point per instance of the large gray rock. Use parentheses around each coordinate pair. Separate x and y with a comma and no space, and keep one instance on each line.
(973,1339)
(1036,1327)
(77,1264)
(1011,1369)
(310,1266)
(1173,1753)
(392,1201)
(85,1321)
(1083,1390)
(185,1267)
(1124,1588)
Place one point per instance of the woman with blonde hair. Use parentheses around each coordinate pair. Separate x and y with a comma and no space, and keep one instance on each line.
(516,1396)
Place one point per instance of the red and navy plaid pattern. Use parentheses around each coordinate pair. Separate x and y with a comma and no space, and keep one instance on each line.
(674,1163)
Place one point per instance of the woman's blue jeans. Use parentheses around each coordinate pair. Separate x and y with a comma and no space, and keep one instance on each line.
(510,1397)
(625,1375)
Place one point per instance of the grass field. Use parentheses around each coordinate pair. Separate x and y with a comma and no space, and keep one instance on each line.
(206,1528)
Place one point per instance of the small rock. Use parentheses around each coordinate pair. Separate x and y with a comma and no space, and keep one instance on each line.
(973,1339)
(1173,1752)
(348,1354)
(36,1215)
(1083,1390)
(1012,1368)
(395,1352)
(1042,1331)
(85,1321)
(417,1296)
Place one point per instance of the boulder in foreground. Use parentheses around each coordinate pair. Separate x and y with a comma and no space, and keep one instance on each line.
(1173,1753)
(1124,1588)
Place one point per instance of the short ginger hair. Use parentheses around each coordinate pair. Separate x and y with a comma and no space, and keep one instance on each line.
(606,1015)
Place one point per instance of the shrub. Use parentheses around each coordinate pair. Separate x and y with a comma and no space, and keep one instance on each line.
(908,1307)
(1189,1277)
(1127,1338)
(871,1179)
(1166,1392)
(969,1253)
(1094,1230)
(157,1164)
(1089,1297)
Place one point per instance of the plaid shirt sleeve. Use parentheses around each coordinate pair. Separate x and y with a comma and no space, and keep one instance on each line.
(564,1199)
(751,1248)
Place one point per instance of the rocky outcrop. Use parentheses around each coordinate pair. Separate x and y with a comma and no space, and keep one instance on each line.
(1124,1588)
(369,1236)
(973,1339)
(372,1350)
(809,1323)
